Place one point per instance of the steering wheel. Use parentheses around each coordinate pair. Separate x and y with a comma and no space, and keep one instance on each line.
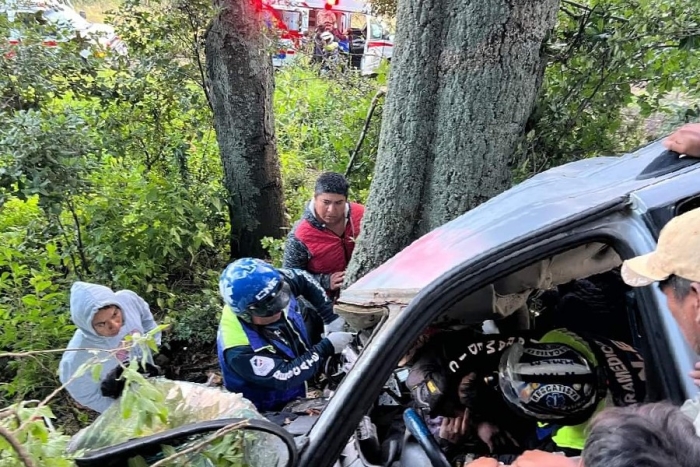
(417,427)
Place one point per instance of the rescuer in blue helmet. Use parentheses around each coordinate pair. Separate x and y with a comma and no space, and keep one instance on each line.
(263,347)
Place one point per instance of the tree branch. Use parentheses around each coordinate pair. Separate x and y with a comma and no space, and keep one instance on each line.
(202,444)
(586,8)
(375,100)
(94,360)
(70,253)
(81,248)
(19,449)
(198,52)
(31,353)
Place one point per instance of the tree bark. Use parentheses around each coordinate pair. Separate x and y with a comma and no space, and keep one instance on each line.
(240,82)
(464,77)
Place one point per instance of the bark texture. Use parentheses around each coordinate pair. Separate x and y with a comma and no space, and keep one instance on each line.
(464,77)
(240,81)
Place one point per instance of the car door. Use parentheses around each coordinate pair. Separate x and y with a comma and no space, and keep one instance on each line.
(654,206)
(616,224)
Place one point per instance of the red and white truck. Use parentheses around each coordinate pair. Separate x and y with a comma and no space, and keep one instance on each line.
(368,41)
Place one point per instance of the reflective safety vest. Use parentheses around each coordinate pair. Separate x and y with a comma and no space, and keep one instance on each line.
(235,333)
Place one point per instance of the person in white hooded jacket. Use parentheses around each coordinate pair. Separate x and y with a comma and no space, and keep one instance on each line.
(104,318)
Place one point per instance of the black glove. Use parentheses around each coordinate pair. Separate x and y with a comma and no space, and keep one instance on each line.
(113,384)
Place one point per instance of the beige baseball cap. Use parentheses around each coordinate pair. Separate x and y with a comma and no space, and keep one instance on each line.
(677,253)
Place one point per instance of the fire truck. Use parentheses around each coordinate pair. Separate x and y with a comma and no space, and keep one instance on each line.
(367,42)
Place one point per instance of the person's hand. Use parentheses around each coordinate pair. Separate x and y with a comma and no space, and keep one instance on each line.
(484,462)
(543,459)
(685,140)
(337,280)
(337,325)
(695,374)
(112,385)
(493,437)
(454,429)
(340,340)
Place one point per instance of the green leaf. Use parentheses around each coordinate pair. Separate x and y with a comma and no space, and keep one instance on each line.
(96,372)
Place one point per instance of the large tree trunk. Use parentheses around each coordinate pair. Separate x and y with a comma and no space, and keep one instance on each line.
(464,77)
(239,75)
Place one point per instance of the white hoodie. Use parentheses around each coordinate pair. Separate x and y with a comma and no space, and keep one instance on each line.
(85,300)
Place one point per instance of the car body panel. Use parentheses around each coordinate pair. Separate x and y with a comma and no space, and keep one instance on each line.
(560,193)
(590,200)
(618,224)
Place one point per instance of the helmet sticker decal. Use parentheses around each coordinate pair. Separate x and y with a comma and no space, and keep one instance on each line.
(560,389)
(269,288)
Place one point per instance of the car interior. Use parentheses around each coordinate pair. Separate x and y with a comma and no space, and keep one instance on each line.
(579,289)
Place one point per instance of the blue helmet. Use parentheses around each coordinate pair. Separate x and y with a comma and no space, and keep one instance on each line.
(251,287)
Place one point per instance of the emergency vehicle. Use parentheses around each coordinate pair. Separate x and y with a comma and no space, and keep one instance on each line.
(62,23)
(297,20)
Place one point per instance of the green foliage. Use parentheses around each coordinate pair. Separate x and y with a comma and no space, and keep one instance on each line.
(319,121)
(605,58)
(149,233)
(275,250)
(109,172)
(32,74)
(195,316)
(43,445)
(48,155)
(32,302)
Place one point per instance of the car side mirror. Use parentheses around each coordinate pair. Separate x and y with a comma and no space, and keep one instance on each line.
(260,441)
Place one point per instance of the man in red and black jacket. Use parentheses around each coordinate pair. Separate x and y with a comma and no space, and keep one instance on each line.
(323,240)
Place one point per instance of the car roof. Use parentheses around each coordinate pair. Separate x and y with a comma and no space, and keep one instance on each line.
(545,200)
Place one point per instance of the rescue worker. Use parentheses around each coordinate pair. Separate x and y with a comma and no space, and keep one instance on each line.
(263,348)
(525,391)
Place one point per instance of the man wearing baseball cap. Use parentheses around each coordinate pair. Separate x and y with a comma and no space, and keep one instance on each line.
(675,263)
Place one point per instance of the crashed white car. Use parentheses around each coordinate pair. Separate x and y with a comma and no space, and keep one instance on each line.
(67,25)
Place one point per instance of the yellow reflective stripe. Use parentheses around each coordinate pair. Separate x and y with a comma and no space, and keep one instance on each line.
(574,437)
(232,333)
(571,437)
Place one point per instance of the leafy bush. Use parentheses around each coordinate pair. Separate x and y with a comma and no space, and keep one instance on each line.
(32,302)
(319,121)
(606,57)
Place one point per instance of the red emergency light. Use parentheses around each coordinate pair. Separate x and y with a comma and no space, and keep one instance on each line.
(330,4)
